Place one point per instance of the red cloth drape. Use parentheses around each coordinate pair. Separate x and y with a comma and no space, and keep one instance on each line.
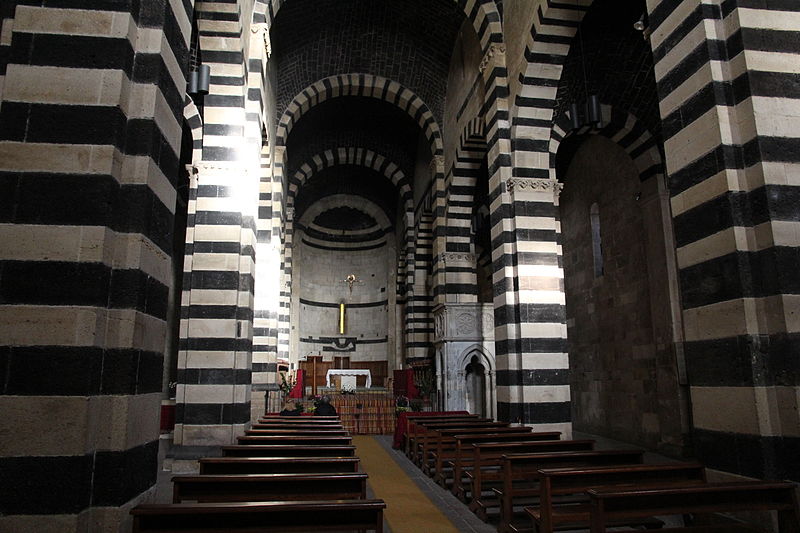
(411,389)
(404,383)
(297,390)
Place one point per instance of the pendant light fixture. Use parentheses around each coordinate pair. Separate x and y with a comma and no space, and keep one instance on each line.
(593,114)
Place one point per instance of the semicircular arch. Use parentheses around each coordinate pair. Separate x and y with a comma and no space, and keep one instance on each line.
(351,156)
(623,129)
(365,85)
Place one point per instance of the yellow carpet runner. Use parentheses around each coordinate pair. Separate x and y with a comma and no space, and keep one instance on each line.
(408,509)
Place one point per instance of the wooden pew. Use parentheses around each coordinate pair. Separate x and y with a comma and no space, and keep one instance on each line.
(295,432)
(423,432)
(415,425)
(418,427)
(297,440)
(463,454)
(320,427)
(335,515)
(277,465)
(287,450)
(555,483)
(441,444)
(522,467)
(614,505)
(268,419)
(488,457)
(269,487)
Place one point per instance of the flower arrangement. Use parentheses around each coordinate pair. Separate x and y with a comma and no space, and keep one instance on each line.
(425,381)
(286,385)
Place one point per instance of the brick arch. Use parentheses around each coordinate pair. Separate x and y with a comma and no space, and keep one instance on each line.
(622,128)
(361,85)
(483,15)
(352,156)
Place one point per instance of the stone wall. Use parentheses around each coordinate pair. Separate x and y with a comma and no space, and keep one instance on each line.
(326,250)
(624,375)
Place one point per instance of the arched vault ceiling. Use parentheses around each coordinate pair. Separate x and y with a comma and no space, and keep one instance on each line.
(348,179)
(355,121)
(409,41)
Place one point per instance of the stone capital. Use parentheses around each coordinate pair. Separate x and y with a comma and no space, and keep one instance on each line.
(436,164)
(496,53)
(517,186)
(262,30)
(454,258)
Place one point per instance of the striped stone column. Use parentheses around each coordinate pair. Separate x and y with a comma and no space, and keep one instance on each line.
(214,361)
(267,291)
(530,320)
(419,301)
(534,374)
(727,79)
(90,133)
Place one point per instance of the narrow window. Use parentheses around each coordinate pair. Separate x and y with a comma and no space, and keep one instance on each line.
(597,246)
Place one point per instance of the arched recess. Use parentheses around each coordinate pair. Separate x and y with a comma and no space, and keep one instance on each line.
(365,85)
(633,217)
(485,358)
(380,164)
(337,200)
(623,129)
(483,14)
(330,248)
(358,157)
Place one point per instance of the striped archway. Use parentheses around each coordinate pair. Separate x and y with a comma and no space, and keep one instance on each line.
(622,128)
(366,85)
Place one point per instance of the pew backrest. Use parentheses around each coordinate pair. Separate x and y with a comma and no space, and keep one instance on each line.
(559,482)
(261,516)
(269,487)
(611,504)
(298,440)
(287,450)
(277,465)
(295,432)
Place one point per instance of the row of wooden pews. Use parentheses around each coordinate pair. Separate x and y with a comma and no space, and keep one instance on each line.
(284,474)
(527,481)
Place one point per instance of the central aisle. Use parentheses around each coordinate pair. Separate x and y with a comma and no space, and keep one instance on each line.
(408,509)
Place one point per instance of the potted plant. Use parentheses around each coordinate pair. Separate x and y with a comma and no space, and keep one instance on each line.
(425,381)
(401,404)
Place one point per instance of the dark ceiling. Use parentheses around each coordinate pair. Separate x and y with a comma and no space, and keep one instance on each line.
(609,57)
(353,121)
(351,180)
(409,42)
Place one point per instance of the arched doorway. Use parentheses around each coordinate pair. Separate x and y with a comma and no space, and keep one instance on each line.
(475,387)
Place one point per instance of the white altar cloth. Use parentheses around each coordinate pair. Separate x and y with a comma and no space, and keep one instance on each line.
(348,372)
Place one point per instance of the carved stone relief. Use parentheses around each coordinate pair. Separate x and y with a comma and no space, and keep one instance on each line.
(465,324)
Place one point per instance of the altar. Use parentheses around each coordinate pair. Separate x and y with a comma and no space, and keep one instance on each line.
(352,374)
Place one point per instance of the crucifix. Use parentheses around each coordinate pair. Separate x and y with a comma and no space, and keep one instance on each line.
(351,279)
